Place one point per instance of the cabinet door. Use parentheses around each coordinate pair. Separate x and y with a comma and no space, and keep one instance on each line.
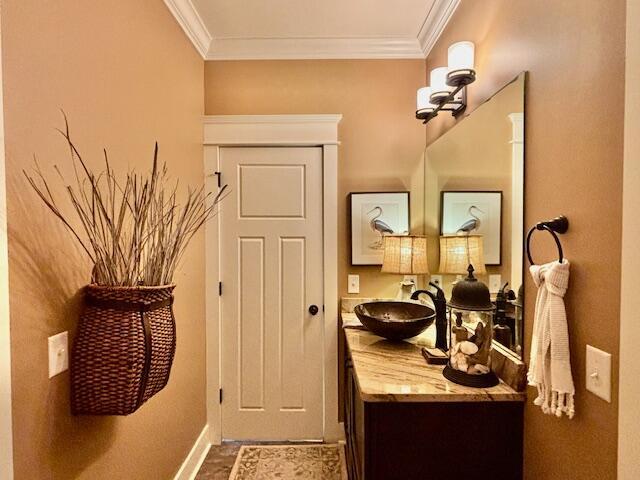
(355,457)
(359,430)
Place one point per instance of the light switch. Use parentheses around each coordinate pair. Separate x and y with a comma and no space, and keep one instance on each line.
(58,353)
(353,284)
(495,283)
(599,373)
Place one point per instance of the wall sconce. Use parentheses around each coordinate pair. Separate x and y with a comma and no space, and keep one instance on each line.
(447,92)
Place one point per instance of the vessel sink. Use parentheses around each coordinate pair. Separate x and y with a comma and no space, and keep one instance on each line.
(395,320)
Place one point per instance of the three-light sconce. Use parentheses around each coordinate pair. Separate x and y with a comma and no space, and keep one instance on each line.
(447,92)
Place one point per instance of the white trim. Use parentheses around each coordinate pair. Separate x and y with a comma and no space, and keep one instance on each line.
(517,197)
(6,436)
(196,456)
(212,302)
(313,48)
(189,19)
(275,130)
(629,388)
(226,130)
(434,24)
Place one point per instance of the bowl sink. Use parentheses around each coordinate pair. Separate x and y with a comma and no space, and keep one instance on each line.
(395,320)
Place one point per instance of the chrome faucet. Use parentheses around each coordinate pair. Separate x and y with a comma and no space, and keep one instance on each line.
(440,304)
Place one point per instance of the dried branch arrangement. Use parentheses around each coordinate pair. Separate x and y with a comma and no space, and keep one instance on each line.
(134,233)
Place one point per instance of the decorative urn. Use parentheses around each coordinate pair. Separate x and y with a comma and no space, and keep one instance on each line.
(470,313)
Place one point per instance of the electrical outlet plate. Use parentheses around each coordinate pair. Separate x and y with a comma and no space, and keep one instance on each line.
(353,284)
(495,283)
(599,373)
(58,353)
(411,278)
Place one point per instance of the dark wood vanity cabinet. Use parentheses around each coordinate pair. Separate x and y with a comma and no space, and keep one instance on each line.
(404,440)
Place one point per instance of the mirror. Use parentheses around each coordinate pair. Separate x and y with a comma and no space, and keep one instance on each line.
(474,188)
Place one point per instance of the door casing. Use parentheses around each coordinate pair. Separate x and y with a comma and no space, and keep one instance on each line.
(6,437)
(278,131)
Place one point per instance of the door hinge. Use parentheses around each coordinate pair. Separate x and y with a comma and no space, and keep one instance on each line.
(220,395)
(219,175)
(220,288)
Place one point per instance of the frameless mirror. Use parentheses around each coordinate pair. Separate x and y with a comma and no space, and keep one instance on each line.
(474,202)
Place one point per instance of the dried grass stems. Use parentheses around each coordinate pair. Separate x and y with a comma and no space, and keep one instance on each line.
(136,233)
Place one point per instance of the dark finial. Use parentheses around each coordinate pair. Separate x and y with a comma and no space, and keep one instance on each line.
(470,269)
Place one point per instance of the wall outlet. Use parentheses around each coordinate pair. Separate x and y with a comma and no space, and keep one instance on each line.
(495,283)
(599,373)
(58,353)
(411,278)
(353,284)
(436,279)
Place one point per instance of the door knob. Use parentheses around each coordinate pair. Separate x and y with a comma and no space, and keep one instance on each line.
(313,309)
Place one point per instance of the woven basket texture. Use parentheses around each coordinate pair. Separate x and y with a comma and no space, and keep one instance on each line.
(123,349)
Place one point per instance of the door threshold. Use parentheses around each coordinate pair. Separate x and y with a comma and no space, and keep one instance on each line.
(272,442)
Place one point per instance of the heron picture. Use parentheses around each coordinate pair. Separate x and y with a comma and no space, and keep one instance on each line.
(374,215)
(474,213)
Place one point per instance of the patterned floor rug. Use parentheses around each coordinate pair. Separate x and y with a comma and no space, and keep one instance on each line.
(290,462)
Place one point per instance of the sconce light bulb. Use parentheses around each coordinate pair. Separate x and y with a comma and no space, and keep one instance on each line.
(460,59)
(439,88)
(423,101)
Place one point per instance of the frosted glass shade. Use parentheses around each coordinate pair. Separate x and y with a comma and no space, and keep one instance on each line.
(458,251)
(438,80)
(461,56)
(405,254)
(424,99)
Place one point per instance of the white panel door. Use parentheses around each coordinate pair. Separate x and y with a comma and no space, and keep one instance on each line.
(271,270)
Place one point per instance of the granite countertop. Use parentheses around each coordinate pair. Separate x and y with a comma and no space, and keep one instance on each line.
(397,372)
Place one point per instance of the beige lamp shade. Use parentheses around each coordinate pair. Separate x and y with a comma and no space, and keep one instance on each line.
(405,254)
(458,251)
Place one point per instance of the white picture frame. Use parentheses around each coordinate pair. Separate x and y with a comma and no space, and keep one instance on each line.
(456,210)
(373,215)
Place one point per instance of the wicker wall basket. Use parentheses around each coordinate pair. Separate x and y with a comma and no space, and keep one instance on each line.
(123,349)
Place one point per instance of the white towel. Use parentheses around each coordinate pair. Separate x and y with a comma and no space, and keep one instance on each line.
(550,363)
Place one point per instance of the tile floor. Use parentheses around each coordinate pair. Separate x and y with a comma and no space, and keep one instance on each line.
(219,461)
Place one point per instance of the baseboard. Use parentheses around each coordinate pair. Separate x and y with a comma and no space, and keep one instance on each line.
(196,456)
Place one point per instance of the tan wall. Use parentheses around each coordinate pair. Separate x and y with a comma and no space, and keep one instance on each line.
(573,166)
(126,76)
(382,144)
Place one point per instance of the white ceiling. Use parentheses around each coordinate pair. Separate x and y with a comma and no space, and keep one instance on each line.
(312,19)
(292,29)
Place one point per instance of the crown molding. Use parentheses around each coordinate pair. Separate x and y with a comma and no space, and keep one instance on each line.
(434,24)
(188,18)
(273,119)
(211,48)
(313,48)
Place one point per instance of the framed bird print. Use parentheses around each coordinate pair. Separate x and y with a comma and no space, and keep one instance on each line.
(374,215)
(478,213)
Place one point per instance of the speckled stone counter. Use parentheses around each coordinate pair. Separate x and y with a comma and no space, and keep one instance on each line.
(397,372)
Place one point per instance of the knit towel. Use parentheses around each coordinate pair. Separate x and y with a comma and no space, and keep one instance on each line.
(550,363)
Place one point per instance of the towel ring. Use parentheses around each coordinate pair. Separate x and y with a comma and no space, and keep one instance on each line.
(557,225)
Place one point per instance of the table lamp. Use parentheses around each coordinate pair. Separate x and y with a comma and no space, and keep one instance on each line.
(457,252)
(406,255)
